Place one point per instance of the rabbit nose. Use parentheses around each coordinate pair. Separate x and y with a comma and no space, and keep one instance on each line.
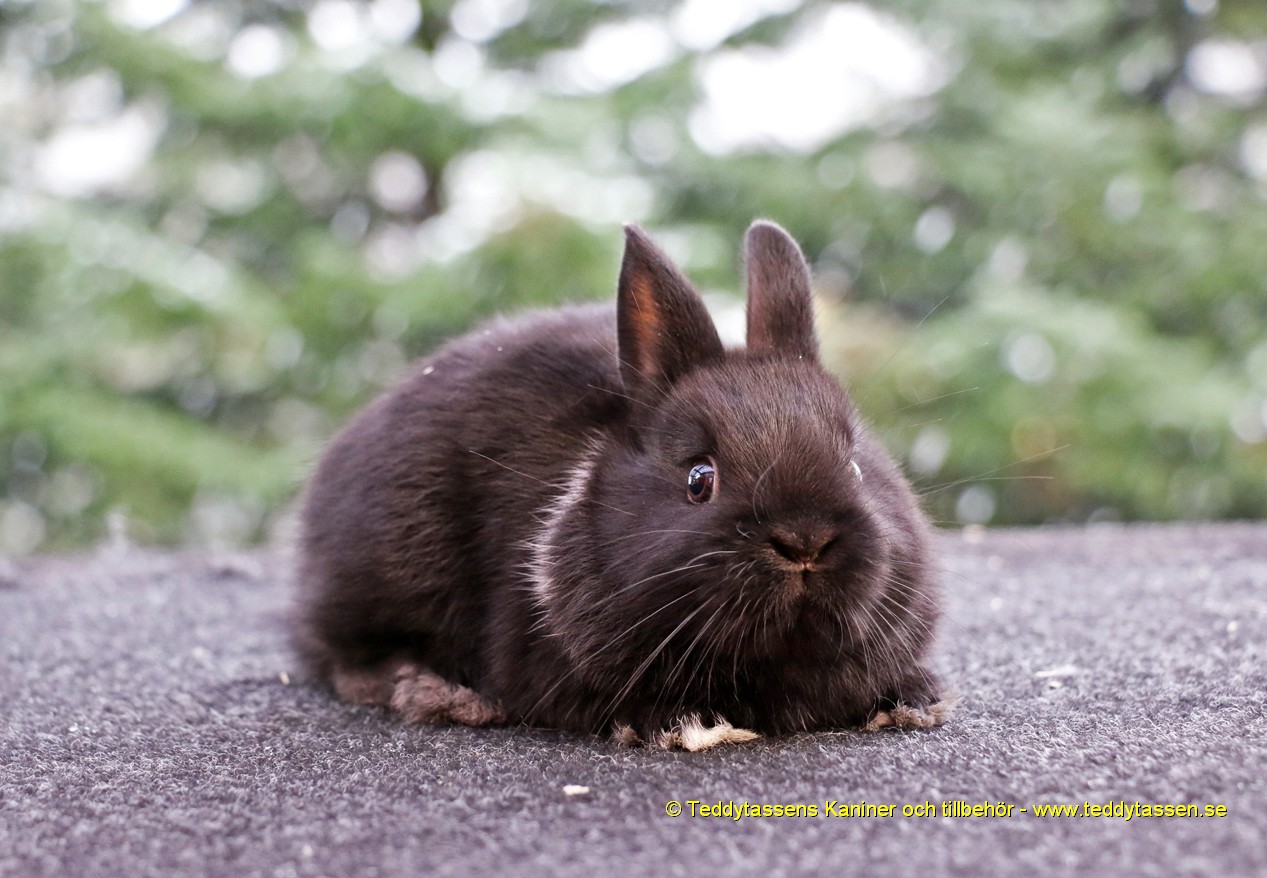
(802,547)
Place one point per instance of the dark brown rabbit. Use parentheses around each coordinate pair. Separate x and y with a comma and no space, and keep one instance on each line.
(600,519)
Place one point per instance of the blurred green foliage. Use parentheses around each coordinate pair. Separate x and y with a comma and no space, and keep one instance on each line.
(1037,229)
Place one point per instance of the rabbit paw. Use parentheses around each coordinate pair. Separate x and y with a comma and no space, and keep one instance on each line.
(418,695)
(421,696)
(907,716)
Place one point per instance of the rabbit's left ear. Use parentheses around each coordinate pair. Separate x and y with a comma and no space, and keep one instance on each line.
(780,303)
(662,326)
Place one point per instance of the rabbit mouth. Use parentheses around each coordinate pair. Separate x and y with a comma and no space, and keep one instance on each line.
(799,568)
(804,582)
(794,585)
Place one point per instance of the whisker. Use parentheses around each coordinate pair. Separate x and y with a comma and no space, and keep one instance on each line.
(910,335)
(646,663)
(689,565)
(618,393)
(946,487)
(666,530)
(981,476)
(540,481)
(921,402)
(756,488)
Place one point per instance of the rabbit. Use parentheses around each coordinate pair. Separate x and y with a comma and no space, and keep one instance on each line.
(602,520)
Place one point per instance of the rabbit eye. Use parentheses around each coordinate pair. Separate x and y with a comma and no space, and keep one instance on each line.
(700,482)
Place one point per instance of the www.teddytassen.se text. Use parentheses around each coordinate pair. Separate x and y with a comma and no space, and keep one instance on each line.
(1120,809)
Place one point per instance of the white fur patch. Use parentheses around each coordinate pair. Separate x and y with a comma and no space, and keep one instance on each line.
(691,734)
(540,566)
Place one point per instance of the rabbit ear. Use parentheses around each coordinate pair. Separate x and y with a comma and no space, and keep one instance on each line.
(662,326)
(780,304)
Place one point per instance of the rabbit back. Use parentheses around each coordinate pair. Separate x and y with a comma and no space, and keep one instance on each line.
(416,521)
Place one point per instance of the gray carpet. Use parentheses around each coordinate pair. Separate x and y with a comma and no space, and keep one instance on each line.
(153,724)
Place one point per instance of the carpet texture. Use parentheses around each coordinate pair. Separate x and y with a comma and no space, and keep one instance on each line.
(153,723)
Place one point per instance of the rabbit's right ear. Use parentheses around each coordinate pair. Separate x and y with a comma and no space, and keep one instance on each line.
(780,300)
(662,327)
